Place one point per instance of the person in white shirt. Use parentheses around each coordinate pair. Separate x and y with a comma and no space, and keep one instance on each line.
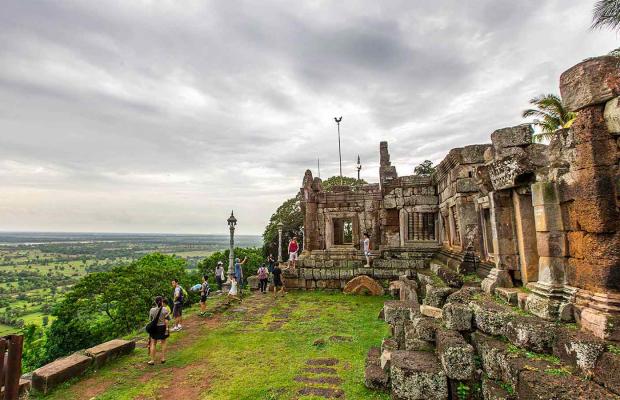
(367,249)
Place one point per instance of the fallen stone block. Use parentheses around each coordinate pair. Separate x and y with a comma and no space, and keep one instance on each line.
(456,355)
(552,384)
(397,310)
(394,289)
(424,328)
(578,348)
(376,378)
(412,342)
(436,296)
(591,82)
(531,333)
(363,285)
(516,136)
(607,372)
(373,356)
(490,317)
(492,390)
(107,351)
(59,371)
(389,344)
(457,316)
(430,311)
(417,375)
(509,295)
(465,295)
(522,300)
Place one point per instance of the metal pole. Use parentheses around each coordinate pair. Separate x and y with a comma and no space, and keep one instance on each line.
(279,244)
(231,256)
(14,371)
(339,151)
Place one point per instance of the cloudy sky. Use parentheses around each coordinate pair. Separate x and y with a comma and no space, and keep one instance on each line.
(162,116)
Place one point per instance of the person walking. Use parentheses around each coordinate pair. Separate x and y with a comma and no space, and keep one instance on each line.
(177,305)
(293,248)
(160,333)
(367,249)
(277,281)
(204,293)
(270,263)
(239,274)
(219,275)
(263,278)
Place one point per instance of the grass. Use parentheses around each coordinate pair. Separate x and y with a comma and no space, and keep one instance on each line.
(243,357)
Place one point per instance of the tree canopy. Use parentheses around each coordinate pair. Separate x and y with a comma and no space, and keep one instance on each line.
(550,115)
(425,168)
(606,14)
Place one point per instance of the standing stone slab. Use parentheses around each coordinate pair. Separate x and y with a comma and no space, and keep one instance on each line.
(456,355)
(59,371)
(417,375)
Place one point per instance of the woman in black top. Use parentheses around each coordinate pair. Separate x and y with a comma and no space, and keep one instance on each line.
(161,332)
(277,280)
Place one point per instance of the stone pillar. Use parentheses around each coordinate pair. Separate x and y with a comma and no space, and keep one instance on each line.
(503,243)
(591,88)
(548,293)
(526,234)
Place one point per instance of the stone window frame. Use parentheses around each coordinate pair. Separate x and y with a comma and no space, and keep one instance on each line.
(488,249)
(455,233)
(405,214)
(329,228)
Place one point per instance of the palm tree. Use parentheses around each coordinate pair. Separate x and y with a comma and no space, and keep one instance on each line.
(607,14)
(550,114)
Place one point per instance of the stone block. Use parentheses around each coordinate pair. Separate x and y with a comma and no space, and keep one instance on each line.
(456,355)
(110,350)
(509,295)
(363,285)
(59,371)
(552,244)
(436,296)
(430,311)
(607,372)
(490,317)
(397,310)
(389,344)
(417,375)
(373,356)
(540,384)
(578,348)
(473,154)
(548,217)
(412,342)
(531,333)
(541,306)
(457,316)
(492,390)
(465,295)
(466,185)
(612,115)
(516,136)
(522,300)
(424,328)
(552,270)
(594,81)
(376,378)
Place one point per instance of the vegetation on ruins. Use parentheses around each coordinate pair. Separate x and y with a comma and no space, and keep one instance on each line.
(291,216)
(550,115)
(425,168)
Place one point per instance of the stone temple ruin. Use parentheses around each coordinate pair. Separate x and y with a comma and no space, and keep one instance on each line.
(535,225)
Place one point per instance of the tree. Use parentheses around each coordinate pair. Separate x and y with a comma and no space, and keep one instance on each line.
(426,168)
(329,183)
(607,14)
(551,115)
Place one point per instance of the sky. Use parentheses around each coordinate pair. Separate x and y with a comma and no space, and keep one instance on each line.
(163,116)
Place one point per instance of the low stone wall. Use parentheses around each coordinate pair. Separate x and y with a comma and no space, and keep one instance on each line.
(460,343)
(64,369)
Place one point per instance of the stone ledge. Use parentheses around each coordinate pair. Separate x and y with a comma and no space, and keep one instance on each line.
(59,371)
(107,351)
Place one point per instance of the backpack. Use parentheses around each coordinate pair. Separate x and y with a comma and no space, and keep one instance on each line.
(262,273)
(152,325)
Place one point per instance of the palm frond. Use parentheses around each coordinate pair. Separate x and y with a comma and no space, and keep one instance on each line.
(606,14)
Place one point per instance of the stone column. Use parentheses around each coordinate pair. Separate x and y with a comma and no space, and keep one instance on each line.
(503,243)
(279,244)
(548,298)
(526,234)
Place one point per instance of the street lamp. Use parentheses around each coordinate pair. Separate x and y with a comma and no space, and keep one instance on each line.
(280,226)
(339,153)
(359,167)
(232,222)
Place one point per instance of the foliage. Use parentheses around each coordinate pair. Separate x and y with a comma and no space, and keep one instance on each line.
(462,391)
(606,14)
(329,183)
(550,115)
(105,305)
(35,342)
(425,168)
(254,255)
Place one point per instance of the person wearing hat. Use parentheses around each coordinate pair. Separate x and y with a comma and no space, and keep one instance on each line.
(219,275)
(239,272)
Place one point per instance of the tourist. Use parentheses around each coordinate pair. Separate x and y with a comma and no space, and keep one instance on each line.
(177,305)
(293,248)
(270,263)
(204,293)
(263,278)
(239,273)
(233,287)
(277,281)
(367,249)
(162,314)
(219,275)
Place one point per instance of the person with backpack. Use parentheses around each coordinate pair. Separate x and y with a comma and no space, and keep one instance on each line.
(219,275)
(263,278)
(178,297)
(157,329)
(277,281)
(204,293)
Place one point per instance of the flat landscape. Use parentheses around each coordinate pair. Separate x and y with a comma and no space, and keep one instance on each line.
(36,269)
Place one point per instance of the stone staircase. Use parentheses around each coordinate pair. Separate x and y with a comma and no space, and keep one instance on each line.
(450,340)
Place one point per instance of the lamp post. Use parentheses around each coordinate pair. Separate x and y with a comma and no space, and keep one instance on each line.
(303,239)
(232,222)
(339,153)
(280,226)
(359,167)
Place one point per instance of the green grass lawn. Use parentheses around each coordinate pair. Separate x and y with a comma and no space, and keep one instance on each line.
(255,352)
